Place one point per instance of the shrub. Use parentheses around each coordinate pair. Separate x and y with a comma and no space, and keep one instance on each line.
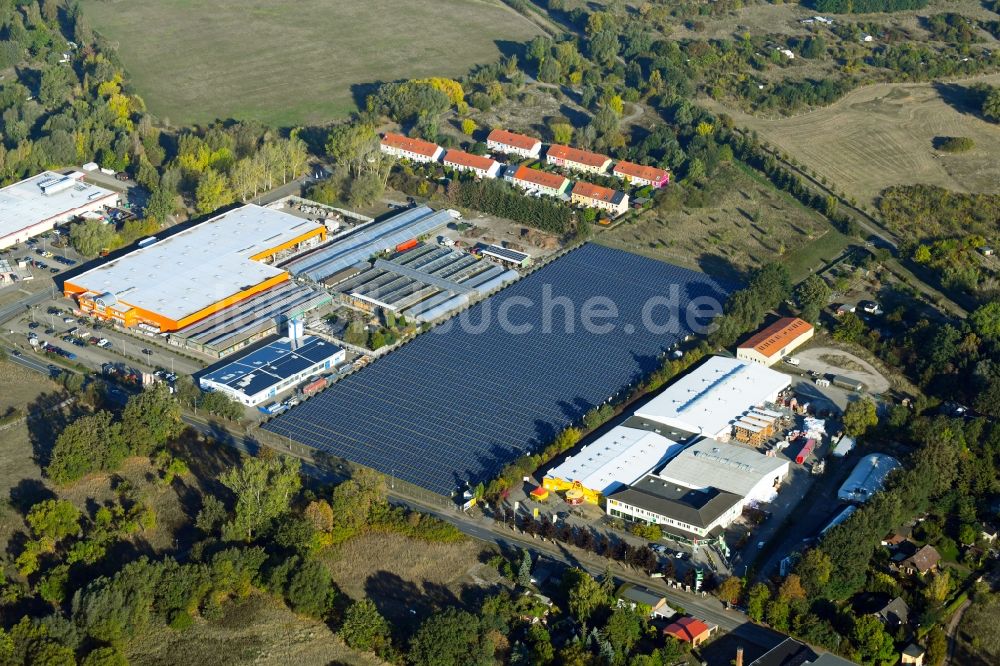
(954,144)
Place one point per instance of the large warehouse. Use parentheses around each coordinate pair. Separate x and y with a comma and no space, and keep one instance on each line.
(729,467)
(452,407)
(37,204)
(424,283)
(195,273)
(710,399)
(616,459)
(267,371)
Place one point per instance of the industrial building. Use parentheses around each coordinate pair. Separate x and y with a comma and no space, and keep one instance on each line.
(601,198)
(710,399)
(416,150)
(250,320)
(616,459)
(482,167)
(868,478)
(263,373)
(37,204)
(452,407)
(775,342)
(195,273)
(512,143)
(424,283)
(640,175)
(542,181)
(576,159)
(367,241)
(731,468)
(684,513)
(701,490)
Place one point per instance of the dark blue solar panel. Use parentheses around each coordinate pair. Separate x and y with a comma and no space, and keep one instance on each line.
(455,405)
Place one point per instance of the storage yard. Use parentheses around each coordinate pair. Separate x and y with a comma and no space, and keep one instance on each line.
(424,283)
(370,239)
(456,404)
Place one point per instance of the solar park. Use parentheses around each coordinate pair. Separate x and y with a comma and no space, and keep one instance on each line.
(457,403)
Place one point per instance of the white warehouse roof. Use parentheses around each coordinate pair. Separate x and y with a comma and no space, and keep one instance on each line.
(729,467)
(200,266)
(708,399)
(618,458)
(45,196)
(867,478)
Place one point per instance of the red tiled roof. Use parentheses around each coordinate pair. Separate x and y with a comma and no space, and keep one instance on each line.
(521,141)
(633,170)
(464,159)
(597,192)
(776,337)
(418,146)
(686,629)
(577,155)
(543,178)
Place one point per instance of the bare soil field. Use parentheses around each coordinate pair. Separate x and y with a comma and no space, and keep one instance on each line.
(747,224)
(257,630)
(290,63)
(407,579)
(883,135)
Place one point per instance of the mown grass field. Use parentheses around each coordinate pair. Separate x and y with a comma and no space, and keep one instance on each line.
(288,63)
(745,224)
(883,135)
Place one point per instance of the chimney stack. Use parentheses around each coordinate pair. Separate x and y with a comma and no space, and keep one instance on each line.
(739,656)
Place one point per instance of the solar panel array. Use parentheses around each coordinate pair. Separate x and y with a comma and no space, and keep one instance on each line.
(459,402)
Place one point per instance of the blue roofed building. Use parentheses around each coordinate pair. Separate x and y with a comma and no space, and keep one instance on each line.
(267,371)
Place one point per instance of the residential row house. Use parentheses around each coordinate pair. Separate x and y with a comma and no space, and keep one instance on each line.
(482,167)
(641,175)
(415,150)
(577,160)
(511,143)
(547,183)
(601,198)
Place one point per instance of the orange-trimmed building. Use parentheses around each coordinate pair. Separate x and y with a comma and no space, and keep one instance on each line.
(641,175)
(483,167)
(195,273)
(576,159)
(689,630)
(512,143)
(542,181)
(775,342)
(602,198)
(416,150)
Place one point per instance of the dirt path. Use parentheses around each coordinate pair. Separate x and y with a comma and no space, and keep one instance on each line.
(819,360)
(953,628)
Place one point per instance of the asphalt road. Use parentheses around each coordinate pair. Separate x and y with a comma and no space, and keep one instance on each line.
(28,361)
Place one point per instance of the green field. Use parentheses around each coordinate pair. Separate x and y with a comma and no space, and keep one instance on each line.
(289,63)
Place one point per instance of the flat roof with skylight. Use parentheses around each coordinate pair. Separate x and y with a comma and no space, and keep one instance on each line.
(44,197)
(711,397)
(616,459)
(202,266)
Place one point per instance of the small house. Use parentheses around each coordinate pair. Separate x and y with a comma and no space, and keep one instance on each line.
(913,654)
(894,614)
(690,630)
(633,597)
(924,560)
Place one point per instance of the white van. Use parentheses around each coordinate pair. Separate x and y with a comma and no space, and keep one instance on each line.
(791,360)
